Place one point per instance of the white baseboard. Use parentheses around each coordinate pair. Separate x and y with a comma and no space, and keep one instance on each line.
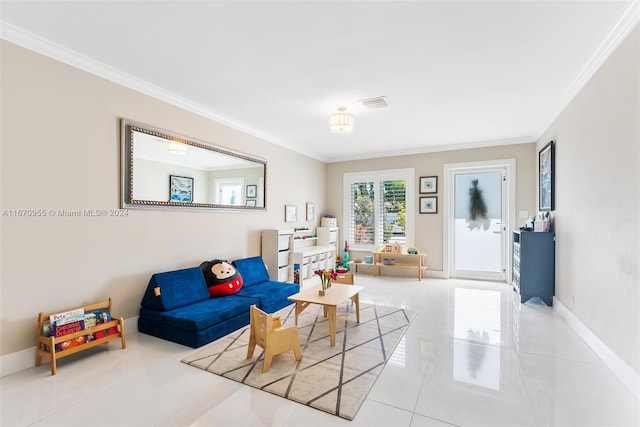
(629,377)
(18,361)
(436,274)
(25,359)
(433,274)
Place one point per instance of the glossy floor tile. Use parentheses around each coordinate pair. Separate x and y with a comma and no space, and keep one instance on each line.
(473,356)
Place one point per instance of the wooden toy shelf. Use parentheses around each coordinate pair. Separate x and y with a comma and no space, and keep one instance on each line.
(404,261)
(45,346)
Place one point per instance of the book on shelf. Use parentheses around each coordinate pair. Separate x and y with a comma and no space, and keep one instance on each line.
(59,318)
(68,322)
(95,318)
(46,329)
(66,326)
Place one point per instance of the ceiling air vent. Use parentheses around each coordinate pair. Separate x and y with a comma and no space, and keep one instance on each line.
(377,102)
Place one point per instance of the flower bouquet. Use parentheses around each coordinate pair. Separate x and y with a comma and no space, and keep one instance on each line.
(326,277)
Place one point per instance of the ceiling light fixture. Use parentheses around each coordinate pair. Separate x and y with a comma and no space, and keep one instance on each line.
(341,122)
(178,148)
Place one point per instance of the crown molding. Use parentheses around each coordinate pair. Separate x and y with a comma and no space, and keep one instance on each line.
(436,149)
(627,22)
(70,57)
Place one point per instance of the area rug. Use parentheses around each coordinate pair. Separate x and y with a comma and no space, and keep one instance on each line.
(332,379)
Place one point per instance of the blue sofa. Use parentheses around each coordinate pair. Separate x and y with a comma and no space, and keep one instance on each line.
(177,306)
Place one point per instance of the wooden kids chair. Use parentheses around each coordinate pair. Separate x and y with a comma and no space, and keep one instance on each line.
(266,331)
(346,279)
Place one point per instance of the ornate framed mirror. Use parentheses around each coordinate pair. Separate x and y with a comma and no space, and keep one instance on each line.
(161,169)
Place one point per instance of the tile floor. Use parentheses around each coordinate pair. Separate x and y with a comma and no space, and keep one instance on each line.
(473,356)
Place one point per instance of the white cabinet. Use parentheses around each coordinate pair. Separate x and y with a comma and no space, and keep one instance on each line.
(314,251)
(312,258)
(310,250)
(277,246)
(328,236)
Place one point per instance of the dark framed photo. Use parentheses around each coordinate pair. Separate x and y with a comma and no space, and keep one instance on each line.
(428,184)
(428,205)
(252,190)
(545,177)
(180,189)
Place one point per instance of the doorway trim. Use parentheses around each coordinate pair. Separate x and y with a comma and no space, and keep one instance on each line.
(447,224)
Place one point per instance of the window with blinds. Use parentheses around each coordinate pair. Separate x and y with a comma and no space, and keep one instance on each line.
(377,207)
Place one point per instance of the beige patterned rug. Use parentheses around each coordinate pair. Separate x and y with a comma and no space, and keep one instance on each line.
(332,379)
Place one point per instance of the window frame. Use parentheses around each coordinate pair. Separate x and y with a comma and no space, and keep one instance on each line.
(377,176)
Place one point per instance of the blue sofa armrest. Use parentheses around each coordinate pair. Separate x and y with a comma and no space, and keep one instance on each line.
(173,289)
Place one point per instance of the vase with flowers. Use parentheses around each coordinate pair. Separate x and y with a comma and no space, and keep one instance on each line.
(326,277)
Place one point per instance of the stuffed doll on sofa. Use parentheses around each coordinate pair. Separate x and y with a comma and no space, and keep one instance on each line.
(222,278)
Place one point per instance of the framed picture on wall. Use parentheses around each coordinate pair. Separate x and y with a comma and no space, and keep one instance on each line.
(428,205)
(545,178)
(311,211)
(290,213)
(428,184)
(180,189)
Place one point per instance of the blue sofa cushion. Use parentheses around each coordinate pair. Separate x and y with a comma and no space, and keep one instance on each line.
(192,338)
(172,289)
(252,270)
(201,315)
(272,295)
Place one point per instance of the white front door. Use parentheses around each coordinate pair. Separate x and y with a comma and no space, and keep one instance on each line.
(478,220)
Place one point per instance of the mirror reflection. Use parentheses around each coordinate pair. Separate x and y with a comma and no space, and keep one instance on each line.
(165,169)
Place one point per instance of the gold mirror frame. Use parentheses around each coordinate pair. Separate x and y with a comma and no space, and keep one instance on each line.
(203,158)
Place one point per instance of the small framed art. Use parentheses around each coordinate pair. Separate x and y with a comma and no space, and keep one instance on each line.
(428,184)
(311,211)
(428,205)
(290,213)
(251,191)
(545,177)
(180,189)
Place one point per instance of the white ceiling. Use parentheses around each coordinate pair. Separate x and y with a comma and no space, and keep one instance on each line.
(456,73)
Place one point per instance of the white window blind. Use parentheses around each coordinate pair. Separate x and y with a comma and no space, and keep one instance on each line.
(379,208)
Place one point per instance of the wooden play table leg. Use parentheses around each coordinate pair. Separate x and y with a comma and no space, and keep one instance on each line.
(300,306)
(356,301)
(331,311)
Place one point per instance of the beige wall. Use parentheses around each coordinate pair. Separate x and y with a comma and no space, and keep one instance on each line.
(429,232)
(60,150)
(597,217)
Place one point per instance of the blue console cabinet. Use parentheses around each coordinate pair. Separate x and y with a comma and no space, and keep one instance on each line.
(533,265)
